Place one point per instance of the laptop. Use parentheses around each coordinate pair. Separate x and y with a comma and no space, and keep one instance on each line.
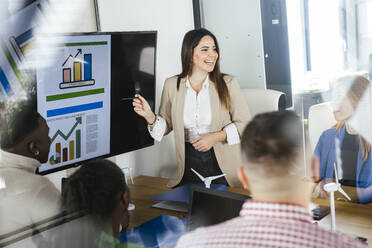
(209,206)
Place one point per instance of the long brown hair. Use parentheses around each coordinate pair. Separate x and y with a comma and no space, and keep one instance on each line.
(358,87)
(190,41)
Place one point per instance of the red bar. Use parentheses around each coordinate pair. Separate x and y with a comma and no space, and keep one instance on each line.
(64,154)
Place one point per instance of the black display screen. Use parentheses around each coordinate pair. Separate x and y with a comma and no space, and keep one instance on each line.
(210,207)
(132,71)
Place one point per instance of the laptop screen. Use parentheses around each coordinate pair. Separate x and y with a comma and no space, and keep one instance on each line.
(209,206)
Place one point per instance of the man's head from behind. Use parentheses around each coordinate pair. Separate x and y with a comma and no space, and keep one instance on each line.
(273,157)
(23,131)
(98,187)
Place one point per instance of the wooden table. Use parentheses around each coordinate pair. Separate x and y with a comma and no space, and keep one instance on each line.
(352,219)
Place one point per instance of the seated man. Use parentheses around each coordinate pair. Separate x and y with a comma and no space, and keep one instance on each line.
(25,198)
(274,172)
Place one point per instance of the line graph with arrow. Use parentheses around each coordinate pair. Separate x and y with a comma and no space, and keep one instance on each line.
(72,57)
(72,147)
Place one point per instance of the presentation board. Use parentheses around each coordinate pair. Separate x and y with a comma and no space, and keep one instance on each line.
(74,98)
(85,92)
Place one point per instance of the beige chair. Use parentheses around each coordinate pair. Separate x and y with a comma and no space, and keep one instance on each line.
(264,100)
(320,119)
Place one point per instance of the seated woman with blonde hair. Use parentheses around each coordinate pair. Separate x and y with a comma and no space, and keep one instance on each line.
(349,139)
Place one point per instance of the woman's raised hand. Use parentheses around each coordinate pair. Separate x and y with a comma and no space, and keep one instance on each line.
(142,108)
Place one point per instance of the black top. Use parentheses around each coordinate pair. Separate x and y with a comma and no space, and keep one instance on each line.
(349,157)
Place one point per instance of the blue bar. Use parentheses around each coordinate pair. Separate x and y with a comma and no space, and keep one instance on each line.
(5,83)
(87,66)
(74,109)
(24,37)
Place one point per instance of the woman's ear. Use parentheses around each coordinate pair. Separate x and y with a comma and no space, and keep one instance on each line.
(124,221)
(32,148)
(242,177)
(125,199)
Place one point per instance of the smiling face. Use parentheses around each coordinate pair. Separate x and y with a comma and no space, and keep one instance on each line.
(205,55)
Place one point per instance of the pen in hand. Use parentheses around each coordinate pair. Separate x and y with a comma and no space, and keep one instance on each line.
(127,99)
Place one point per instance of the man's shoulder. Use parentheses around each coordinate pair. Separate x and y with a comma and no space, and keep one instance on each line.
(203,235)
(318,236)
(38,189)
(247,232)
(336,239)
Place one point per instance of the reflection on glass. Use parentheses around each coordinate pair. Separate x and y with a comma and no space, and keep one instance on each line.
(29,203)
(102,202)
(351,103)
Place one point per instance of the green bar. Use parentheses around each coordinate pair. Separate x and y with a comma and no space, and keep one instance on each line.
(84,43)
(78,143)
(74,94)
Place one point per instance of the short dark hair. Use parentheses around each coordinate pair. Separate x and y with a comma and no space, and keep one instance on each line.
(94,188)
(273,138)
(18,119)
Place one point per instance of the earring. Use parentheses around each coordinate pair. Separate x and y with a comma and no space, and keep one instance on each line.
(36,153)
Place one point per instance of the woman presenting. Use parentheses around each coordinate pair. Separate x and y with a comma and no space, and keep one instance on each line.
(205,109)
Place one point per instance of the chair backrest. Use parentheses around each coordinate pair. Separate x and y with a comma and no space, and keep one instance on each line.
(320,119)
(263,100)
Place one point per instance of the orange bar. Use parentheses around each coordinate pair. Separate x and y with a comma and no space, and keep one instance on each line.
(58,152)
(72,149)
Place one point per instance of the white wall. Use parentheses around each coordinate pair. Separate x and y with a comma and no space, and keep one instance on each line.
(172,19)
(238,28)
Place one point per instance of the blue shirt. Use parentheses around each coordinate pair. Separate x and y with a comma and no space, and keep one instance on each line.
(326,152)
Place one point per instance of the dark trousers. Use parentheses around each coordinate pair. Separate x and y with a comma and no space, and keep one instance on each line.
(205,163)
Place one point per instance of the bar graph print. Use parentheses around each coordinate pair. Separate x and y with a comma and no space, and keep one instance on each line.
(78,75)
(22,42)
(5,83)
(71,144)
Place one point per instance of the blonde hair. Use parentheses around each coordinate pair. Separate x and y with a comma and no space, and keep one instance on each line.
(364,145)
(358,87)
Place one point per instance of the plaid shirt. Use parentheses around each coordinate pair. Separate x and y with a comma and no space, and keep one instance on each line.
(264,224)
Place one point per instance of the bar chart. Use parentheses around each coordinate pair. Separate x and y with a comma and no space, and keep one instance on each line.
(67,146)
(77,75)
(5,83)
(22,42)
